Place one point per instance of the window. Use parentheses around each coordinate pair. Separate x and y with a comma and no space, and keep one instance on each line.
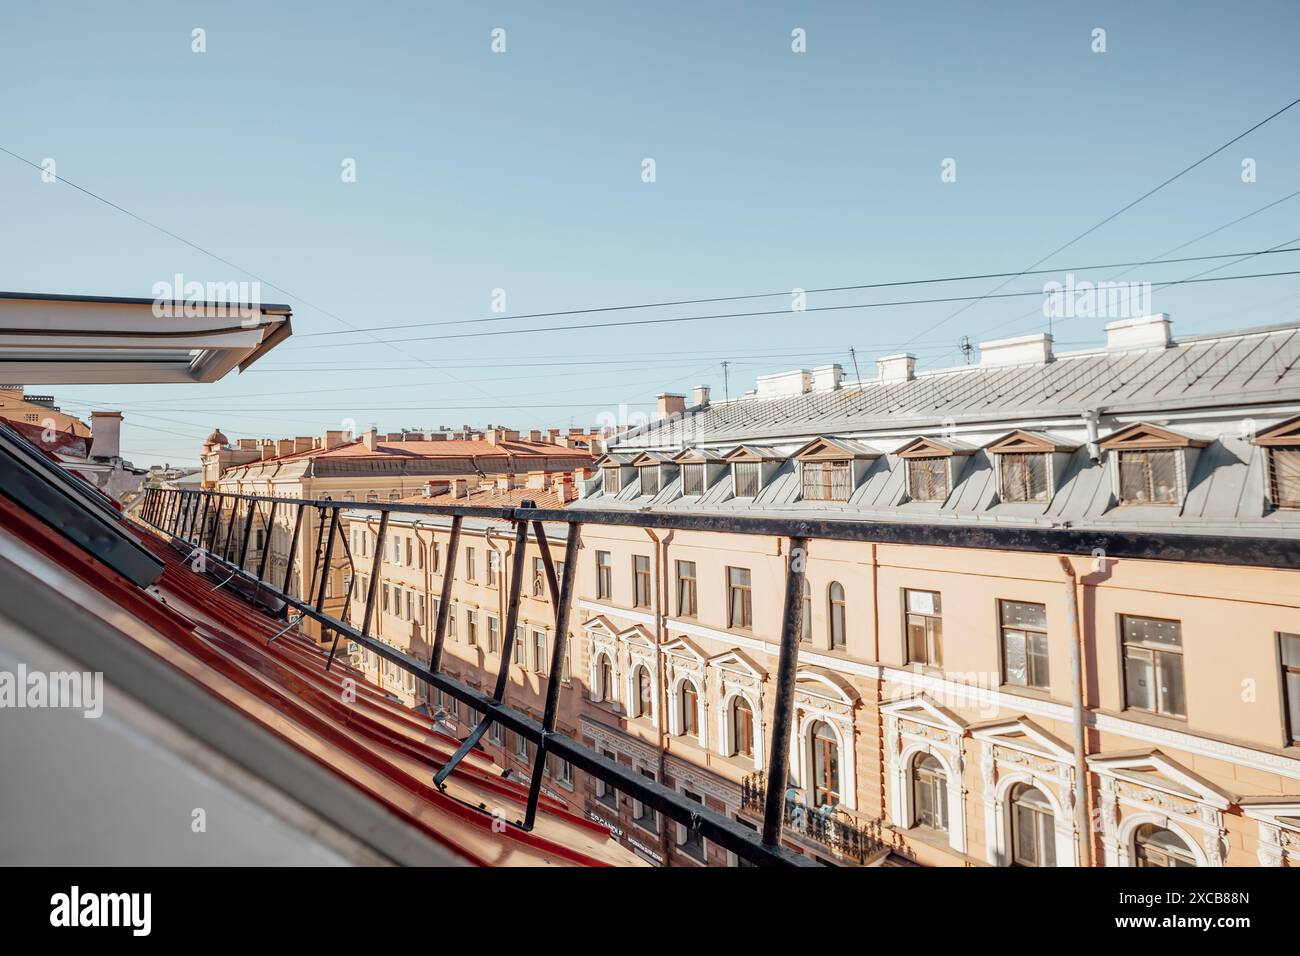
(1033,828)
(640,580)
(1156,847)
(649,480)
(469,564)
(1024,476)
(1153,666)
(385,598)
(1024,643)
(1148,477)
(394,496)
(927,479)
(826,765)
(451,622)
(805,633)
(520,649)
(372,496)
(924,627)
(410,553)
(742,727)
(539,652)
(397,551)
(521,746)
(642,700)
(494,634)
(604,576)
(612,485)
(604,680)
(837,616)
(646,817)
(494,732)
(604,792)
(471,627)
(539,578)
(686,601)
(435,556)
(827,480)
(1284,477)
(1291,683)
(493,563)
(419,554)
(688,703)
(410,605)
(692,479)
(740,603)
(929,793)
(562,770)
(689,841)
(424,620)
(747,477)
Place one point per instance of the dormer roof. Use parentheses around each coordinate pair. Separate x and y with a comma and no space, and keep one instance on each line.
(826,448)
(926,447)
(1022,441)
(1141,435)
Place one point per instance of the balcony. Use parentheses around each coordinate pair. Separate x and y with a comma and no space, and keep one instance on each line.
(851,839)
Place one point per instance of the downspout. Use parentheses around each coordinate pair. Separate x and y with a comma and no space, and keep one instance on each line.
(1092,419)
(661,600)
(1081,814)
(880,678)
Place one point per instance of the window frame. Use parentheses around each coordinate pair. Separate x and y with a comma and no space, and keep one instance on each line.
(1155,654)
(744,621)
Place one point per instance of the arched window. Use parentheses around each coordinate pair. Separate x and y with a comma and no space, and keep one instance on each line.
(806,635)
(836,598)
(929,793)
(641,690)
(1156,846)
(1033,828)
(825,765)
(742,727)
(689,702)
(604,680)
(372,496)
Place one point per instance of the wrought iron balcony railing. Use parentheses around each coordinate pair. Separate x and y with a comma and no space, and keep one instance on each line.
(832,827)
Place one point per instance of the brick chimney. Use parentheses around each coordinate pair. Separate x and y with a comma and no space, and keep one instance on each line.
(333,439)
(268,450)
(535,435)
(371,439)
(105,434)
(459,488)
(564,488)
(284,446)
(669,404)
(302,443)
(552,435)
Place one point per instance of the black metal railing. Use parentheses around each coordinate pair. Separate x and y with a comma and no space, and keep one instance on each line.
(184,515)
(835,828)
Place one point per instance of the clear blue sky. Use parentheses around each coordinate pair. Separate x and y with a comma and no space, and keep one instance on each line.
(522,171)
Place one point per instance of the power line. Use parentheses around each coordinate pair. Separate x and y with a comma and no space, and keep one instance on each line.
(1119,212)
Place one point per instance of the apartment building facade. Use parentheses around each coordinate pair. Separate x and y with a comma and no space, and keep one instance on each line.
(935,693)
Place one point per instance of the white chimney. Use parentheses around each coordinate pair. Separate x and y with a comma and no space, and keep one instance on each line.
(897,368)
(105,434)
(459,488)
(564,489)
(1144,332)
(1033,349)
(700,396)
(826,378)
(784,384)
(371,439)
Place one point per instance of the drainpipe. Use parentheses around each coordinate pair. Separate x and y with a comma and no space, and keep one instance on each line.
(661,601)
(1092,419)
(1081,816)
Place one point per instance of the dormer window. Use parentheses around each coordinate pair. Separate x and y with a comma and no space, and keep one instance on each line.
(1148,477)
(748,476)
(649,480)
(927,479)
(1281,445)
(1023,476)
(1151,464)
(693,479)
(612,485)
(827,480)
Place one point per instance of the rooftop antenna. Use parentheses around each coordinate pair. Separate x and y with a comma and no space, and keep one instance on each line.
(967,349)
(854,355)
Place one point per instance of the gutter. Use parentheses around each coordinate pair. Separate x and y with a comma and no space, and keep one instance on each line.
(1082,817)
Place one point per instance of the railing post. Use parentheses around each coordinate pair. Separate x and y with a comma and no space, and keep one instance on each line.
(293,548)
(372,586)
(248,533)
(562,598)
(315,557)
(216,524)
(507,646)
(329,555)
(788,664)
(266,541)
(444,599)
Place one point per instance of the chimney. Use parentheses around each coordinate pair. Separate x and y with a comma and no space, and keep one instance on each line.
(537,479)
(248,444)
(371,439)
(826,378)
(496,436)
(552,435)
(1022,350)
(784,384)
(669,404)
(333,439)
(284,446)
(459,488)
(432,488)
(1144,332)
(301,443)
(700,396)
(564,489)
(535,435)
(897,368)
(105,434)
(507,482)
(268,450)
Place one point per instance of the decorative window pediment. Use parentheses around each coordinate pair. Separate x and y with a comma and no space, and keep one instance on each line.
(736,663)
(1283,435)
(637,638)
(1021,733)
(647,458)
(922,710)
(753,453)
(1155,771)
(818,684)
(834,449)
(692,456)
(684,650)
(1141,435)
(1022,442)
(923,447)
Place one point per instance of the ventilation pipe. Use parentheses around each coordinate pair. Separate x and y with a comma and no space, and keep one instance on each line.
(1092,418)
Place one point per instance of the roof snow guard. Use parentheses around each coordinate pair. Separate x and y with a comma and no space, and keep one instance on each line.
(63,339)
